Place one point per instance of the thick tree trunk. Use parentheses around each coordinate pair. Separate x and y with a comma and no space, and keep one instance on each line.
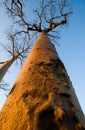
(42,97)
(5,66)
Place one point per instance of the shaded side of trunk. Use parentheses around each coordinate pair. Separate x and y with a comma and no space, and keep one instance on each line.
(42,97)
(5,66)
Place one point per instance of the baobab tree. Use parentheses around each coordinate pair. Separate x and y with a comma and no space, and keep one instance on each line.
(42,97)
(17,51)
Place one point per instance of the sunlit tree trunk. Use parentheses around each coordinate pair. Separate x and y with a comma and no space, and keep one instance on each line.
(42,97)
(5,66)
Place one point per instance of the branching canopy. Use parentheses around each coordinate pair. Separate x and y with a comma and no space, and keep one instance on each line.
(48,16)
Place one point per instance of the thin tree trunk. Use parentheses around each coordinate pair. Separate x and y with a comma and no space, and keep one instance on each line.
(42,97)
(5,66)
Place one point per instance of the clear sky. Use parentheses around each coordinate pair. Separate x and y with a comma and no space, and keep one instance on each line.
(71,49)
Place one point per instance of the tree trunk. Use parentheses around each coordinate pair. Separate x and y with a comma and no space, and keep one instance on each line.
(5,66)
(42,97)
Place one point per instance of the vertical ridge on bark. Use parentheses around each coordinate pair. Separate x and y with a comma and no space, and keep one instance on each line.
(42,97)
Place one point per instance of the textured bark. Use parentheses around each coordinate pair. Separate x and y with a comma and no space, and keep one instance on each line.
(42,97)
(5,66)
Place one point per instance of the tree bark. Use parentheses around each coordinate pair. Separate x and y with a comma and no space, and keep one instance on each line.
(5,66)
(42,97)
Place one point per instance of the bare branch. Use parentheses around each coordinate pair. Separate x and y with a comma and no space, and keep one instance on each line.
(1,62)
(16,4)
(4,86)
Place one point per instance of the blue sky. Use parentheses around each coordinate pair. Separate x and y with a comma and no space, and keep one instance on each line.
(71,49)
